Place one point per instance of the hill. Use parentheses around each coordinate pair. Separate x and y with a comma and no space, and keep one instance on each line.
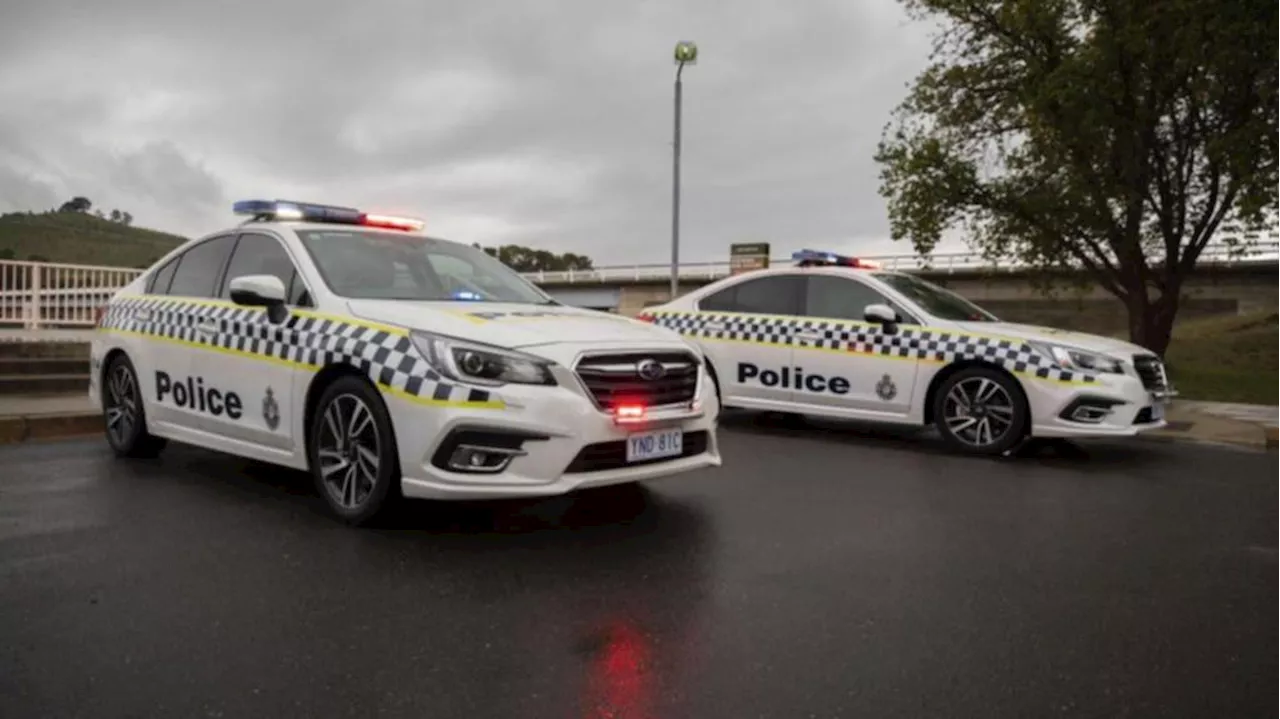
(1226,359)
(80,238)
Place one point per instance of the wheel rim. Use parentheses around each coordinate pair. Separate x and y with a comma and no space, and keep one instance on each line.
(122,405)
(348,448)
(979,411)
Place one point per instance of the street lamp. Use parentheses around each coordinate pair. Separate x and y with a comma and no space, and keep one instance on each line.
(686,54)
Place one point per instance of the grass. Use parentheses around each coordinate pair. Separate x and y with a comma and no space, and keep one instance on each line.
(80,238)
(1226,359)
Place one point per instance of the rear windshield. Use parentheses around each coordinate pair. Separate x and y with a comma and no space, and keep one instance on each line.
(401,266)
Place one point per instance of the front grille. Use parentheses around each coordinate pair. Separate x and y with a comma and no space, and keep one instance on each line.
(613,455)
(615,379)
(1151,370)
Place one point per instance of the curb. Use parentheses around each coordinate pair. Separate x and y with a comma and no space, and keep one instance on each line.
(1238,444)
(49,426)
(1269,438)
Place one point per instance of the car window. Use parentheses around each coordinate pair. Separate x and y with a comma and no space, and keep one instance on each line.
(299,295)
(257,254)
(774,295)
(389,265)
(200,270)
(941,303)
(844,298)
(160,280)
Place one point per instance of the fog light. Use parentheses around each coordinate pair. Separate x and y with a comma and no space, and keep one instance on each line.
(470,458)
(1090,410)
(1092,415)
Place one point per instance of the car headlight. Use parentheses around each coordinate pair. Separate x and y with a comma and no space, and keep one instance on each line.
(481,364)
(1078,359)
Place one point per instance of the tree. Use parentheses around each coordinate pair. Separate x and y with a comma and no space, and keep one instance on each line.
(115,215)
(1117,136)
(76,204)
(126,218)
(526,259)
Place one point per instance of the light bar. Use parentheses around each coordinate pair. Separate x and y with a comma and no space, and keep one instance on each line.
(286,211)
(629,413)
(811,258)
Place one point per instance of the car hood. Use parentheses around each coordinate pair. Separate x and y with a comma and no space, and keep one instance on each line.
(512,325)
(1080,340)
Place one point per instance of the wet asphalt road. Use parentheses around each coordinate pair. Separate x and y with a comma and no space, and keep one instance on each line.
(821,573)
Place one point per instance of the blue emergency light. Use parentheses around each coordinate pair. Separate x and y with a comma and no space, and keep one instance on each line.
(811,258)
(289,211)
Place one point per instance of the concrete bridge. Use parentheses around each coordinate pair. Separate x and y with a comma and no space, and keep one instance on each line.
(35,296)
(1223,284)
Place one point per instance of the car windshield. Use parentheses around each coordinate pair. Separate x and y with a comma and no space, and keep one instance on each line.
(401,266)
(943,304)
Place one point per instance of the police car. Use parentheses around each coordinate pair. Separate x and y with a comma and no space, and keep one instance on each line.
(389,363)
(839,337)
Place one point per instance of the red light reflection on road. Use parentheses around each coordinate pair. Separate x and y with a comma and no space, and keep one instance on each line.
(619,677)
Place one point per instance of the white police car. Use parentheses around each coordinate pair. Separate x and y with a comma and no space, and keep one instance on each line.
(390,363)
(838,337)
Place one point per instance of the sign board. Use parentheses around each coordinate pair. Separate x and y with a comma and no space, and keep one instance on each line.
(746,257)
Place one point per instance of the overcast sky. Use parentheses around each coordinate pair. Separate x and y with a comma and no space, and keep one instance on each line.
(542,123)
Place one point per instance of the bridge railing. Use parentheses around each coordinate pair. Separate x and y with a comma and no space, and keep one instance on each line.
(36,295)
(942,262)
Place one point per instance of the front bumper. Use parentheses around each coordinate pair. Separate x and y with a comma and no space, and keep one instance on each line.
(564,443)
(1114,406)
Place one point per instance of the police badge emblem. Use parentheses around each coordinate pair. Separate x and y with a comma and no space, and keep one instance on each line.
(270,410)
(886,389)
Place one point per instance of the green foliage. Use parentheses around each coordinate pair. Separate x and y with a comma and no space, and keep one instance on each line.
(1117,135)
(526,259)
(81,238)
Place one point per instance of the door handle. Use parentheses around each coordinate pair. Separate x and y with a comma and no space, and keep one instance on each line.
(207,327)
(810,337)
(713,326)
(142,315)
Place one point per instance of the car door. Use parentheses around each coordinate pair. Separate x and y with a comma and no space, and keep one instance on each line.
(179,394)
(747,332)
(263,388)
(874,367)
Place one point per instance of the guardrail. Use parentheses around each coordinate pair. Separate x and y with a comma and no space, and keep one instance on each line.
(36,295)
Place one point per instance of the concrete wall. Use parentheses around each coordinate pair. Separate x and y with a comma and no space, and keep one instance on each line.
(1058,301)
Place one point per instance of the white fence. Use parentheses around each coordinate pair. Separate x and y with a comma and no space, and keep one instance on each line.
(37,295)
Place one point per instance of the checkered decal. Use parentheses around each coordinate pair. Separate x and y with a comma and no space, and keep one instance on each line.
(388,359)
(908,342)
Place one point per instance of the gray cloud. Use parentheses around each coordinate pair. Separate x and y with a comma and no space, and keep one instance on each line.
(538,123)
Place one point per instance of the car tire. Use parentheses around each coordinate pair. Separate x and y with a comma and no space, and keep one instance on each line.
(351,451)
(715,385)
(123,414)
(981,411)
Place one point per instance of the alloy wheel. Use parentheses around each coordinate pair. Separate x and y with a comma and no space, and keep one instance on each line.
(979,411)
(122,404)
(349,449)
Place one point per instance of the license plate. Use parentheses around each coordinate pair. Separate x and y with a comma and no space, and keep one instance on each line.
(1157,411)
(655,445)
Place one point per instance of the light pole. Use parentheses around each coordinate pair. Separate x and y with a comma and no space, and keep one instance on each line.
(686,54)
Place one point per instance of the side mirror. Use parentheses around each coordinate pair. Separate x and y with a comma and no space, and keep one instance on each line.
(881,315)
(260,291)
